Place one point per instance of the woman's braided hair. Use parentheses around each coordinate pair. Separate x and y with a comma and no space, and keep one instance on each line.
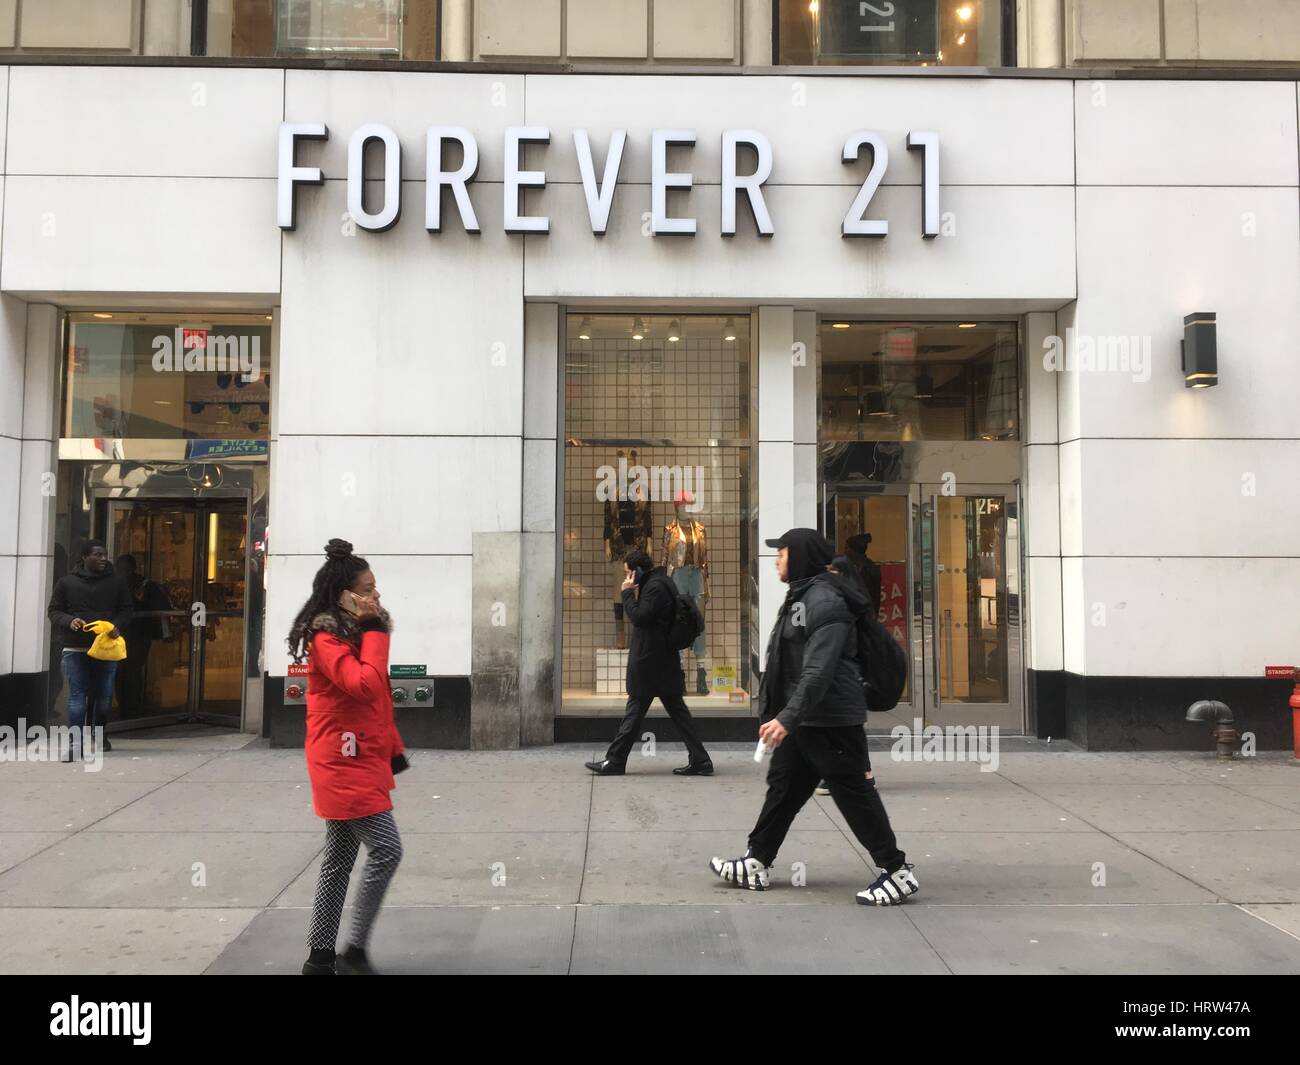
(335,577)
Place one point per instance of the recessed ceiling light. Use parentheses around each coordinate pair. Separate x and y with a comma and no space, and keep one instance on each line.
(964,12)
(839,325)
(268,317)
(100,314)
(966,325)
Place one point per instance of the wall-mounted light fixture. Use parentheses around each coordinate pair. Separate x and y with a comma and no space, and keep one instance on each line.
(1200,350)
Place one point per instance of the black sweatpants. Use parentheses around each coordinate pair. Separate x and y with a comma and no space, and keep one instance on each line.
(630,728)
(837,755)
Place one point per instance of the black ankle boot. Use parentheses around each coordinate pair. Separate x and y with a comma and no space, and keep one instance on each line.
(319,963)
(353,962)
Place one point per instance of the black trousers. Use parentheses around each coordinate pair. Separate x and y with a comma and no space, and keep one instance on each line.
(837,755)
(630,728)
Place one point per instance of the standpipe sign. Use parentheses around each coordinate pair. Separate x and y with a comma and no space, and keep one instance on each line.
(599,192)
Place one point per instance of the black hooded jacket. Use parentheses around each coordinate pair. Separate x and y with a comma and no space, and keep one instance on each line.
(91,597)
(654,668)
(813,676)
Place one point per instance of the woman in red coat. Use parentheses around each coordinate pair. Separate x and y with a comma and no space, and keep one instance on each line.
(352,750)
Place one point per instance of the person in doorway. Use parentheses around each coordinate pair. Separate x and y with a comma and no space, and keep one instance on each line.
(866,568)
(654,669)
(92,591)
(353,749)
(813,707)
(147,598)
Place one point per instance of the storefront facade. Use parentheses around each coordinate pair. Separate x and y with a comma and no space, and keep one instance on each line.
(667,311)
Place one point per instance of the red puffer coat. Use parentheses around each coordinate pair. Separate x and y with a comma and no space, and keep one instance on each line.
(351,735)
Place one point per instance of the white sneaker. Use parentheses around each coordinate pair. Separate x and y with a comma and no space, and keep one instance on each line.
(889,889)
(822,789)
(743,872)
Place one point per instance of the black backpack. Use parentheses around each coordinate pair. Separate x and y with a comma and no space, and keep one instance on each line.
(883,664)
(687,623)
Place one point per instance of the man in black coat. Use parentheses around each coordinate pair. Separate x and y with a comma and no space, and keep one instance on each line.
(813,706)
(90,592)
(866,567)
(654,669)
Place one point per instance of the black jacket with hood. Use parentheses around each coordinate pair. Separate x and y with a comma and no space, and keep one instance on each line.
(812,675)
(91,597)
(654,668)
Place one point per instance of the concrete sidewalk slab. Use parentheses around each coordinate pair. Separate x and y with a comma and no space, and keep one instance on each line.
(626,804)
(483,868)
(156,869)
(279,806)
(127,942)
(1157,940)
(1122,808)
(470,940)
(673,868)
(1241,867)
(475,806)
(17,847)
(66,805)
(929,806)
(734,939)
(1027,868)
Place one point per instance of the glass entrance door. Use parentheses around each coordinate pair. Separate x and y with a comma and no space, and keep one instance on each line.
(950,593)
(185,562)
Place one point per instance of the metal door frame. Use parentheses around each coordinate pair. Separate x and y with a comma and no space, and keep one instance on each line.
(924,648)
(201,507)
(1008,716)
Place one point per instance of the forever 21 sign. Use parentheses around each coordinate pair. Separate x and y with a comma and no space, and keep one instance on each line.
(599,192)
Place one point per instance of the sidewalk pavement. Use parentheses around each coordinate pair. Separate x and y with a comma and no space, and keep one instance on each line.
(196,851)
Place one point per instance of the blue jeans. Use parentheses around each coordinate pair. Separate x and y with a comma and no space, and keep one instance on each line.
(690,582)
(90,687)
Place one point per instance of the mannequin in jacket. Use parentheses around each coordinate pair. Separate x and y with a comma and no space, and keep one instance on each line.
(685,556)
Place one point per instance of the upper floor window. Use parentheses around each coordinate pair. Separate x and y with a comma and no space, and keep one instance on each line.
(961,33)
(361,29)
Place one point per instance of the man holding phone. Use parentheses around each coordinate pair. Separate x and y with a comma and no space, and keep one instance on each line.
(654,669)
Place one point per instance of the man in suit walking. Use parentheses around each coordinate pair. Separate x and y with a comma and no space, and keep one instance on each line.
(654,669)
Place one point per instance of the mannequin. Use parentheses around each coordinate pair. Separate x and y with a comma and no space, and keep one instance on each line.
(629,527)
(686,558)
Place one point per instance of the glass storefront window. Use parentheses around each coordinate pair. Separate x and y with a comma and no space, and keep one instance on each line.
(369,29)
(919,380)
(961,33)
(160,377)
(656,458)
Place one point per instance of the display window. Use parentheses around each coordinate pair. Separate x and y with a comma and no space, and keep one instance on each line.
(656,459)
(919,381)
(162,377)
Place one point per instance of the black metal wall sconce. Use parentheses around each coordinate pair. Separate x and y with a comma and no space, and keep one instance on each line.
(1200,350)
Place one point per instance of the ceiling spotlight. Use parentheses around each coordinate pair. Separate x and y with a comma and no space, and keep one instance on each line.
(638,330)
(964,12)
(584,330)
(729,330)
(674,331)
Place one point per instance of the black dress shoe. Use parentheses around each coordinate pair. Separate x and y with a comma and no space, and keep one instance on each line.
(353,962)
(695,769)
(605,768)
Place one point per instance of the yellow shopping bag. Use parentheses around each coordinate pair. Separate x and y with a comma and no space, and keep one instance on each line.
(104,648)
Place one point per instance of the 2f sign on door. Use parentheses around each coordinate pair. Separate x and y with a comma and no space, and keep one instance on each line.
(747,161)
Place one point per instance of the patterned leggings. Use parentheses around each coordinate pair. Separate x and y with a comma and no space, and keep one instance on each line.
(383,852)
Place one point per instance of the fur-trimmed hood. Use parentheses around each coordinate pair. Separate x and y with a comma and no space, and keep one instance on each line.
(346,627)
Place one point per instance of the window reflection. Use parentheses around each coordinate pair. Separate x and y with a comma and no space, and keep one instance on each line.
(919,381)
(962,33)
